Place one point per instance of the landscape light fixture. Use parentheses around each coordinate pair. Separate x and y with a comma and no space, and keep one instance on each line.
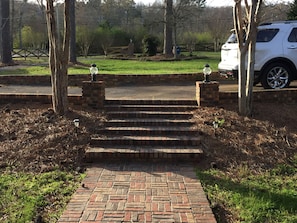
(206,72)
(215,124)
(94,72)
(76,124)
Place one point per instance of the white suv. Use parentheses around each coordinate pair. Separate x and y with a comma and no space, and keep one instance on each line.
(276,55)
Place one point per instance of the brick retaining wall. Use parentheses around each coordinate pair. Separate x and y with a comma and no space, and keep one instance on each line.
(109,79)
(275,96)
(35,98)
(271,96)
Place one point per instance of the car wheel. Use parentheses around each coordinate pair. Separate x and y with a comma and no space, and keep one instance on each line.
(276,76)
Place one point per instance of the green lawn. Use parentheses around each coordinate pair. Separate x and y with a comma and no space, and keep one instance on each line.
(255,198)
(23,195)
(144,66)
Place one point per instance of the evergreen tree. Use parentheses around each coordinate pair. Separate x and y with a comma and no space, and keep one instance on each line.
(292,14)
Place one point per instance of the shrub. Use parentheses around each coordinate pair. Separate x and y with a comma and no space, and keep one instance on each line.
(150,45)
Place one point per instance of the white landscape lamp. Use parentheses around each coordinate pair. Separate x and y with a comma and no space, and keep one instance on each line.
(206,72)
(94,72)
(76,124)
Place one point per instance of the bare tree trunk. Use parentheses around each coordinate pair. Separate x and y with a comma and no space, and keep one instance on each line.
(168,26)
(6,39)
(242,80)
(58,59)
(251,55)
(72,33)
(250,78)
(246,31)
(1,31)
(242,49)
(21,13)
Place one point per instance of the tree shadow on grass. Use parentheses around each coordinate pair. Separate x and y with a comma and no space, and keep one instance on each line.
(17,71)
(267,204)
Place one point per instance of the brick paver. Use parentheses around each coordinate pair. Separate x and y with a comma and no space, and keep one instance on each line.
(139,192)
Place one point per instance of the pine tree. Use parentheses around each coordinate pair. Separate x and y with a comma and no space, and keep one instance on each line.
(292,14)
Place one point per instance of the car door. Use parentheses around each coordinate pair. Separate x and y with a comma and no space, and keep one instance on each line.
(268,45)
(290,46)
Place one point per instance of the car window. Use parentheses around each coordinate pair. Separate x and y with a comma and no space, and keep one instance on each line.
(263,35)
(266,35)
(232,38)
(293,36)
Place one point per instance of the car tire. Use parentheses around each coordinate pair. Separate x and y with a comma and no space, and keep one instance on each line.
(276,76)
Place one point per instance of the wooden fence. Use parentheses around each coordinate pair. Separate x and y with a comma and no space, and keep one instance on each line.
(24,53)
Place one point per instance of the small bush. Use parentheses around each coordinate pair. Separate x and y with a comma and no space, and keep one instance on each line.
(150,45)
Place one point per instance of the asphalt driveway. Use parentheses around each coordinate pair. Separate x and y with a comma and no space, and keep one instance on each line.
(186,91)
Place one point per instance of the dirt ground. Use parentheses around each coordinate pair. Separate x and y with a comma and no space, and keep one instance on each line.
(262,141)
(34,139)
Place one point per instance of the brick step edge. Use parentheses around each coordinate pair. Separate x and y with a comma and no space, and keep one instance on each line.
(152,154)
(149,122)
(149,116)
(146,141)
(156,108)
(141,131)
(184,150)
(151,102)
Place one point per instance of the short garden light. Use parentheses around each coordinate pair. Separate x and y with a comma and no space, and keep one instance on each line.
(94,72)
(206,72)
(76,122)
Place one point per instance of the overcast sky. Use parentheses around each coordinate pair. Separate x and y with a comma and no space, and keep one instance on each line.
(212,2)
(216,3)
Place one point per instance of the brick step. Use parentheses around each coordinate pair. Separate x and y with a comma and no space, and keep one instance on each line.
(149,114)
(146,141)
(149,122)
(151,102)
(147,130)
(124,107)
(156,153)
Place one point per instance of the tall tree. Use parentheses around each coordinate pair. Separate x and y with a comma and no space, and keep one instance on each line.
(1,30)
(59,57)
(177,14)
(168,28)
(245,23)
(20,23)
(218,24)
(6,47)
(184,11)
(72,33)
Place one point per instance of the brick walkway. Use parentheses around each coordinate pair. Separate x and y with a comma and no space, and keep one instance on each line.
(139,192)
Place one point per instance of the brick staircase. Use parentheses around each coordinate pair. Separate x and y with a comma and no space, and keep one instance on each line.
(147,130)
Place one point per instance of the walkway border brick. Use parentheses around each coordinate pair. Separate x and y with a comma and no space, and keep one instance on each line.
(139,192)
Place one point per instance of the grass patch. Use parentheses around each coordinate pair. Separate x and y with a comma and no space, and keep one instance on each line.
(24,196)
(119,67)
(34,66)
(253,198)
